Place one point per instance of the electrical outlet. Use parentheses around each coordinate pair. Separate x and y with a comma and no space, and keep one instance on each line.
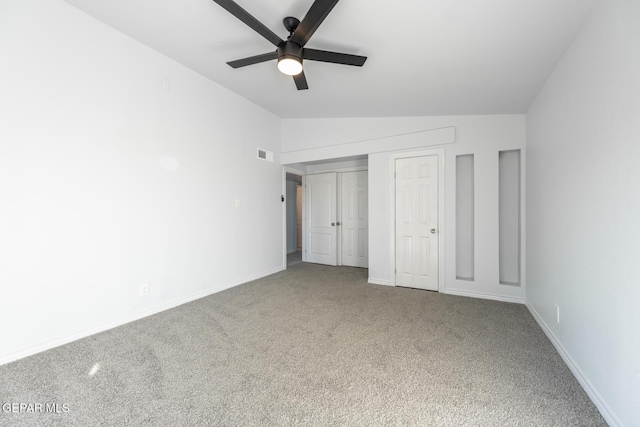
(557,313)
(144,289)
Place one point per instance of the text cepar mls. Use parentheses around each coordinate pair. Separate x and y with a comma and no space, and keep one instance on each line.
(35,408)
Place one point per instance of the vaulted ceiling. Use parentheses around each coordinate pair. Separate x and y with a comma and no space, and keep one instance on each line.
(425,57)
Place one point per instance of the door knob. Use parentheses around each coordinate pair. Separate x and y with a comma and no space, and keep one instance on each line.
(433,231)
(333,224)
(338,223)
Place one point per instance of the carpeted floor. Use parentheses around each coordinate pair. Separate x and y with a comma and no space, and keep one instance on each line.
(313,345)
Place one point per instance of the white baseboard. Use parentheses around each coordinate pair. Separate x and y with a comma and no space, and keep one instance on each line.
(483,295)
(382,282)
(593,394)
(30,351)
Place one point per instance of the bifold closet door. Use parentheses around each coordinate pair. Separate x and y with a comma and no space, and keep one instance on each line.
(354,219)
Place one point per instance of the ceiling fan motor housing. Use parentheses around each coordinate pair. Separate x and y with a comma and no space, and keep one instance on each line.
(291,50)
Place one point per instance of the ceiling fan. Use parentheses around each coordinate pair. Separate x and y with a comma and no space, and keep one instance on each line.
(290,53)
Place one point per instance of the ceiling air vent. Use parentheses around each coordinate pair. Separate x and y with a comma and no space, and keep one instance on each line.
(265,155)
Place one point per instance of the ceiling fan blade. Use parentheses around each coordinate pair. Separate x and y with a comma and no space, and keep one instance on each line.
(301,81)
(312,20)
(334,57)
(237,11)
(253,59)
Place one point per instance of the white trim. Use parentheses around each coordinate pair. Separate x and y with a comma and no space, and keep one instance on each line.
(338,218)
(440,153)
(30,351)
(284,218)
(606,412)
(382,282)
(340,170)
(304,218)
(379,144)
(483,295)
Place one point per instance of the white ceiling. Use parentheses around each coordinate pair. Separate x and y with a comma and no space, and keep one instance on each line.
(425,57)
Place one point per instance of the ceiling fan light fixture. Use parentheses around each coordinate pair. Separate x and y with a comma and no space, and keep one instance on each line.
(291,52)
(290,65)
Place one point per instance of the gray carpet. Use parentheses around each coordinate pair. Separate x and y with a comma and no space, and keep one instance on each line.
(313,345)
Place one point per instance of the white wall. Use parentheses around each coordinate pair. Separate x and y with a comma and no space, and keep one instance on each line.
(88,210)
(583,208)
(482,135)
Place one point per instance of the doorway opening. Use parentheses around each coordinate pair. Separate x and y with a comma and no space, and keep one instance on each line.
(343,212)
(294,200)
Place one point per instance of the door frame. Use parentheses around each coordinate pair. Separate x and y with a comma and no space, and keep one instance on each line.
(439,152)
(303,174)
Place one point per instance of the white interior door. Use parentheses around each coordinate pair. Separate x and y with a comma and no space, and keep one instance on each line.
(416,187)
(320,230)
(354,219)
